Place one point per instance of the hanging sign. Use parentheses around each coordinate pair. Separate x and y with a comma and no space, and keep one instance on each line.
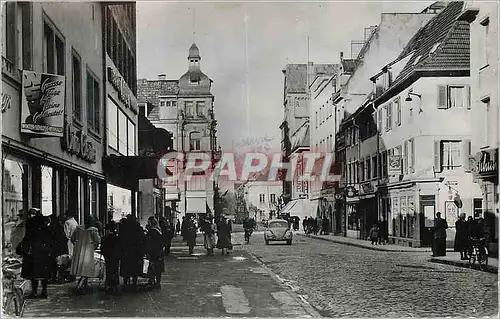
(394,164)
(42,110)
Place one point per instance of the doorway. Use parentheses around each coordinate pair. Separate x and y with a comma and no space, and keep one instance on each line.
(427,214)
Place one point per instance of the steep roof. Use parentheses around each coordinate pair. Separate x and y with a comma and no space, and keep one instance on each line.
(296,75)
(442,44)
(150,90)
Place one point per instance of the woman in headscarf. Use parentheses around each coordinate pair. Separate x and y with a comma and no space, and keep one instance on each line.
(38,253)
(154,250)
(209,229)
(85,240)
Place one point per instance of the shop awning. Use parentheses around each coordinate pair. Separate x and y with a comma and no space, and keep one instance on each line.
(298,207)
(127,170)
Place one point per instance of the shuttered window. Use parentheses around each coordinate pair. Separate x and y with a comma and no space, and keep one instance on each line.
(454,96)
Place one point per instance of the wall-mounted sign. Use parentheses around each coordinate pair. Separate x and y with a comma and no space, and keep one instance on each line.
(6,102)
(394,164)
(124,93)
(485,162)
(75,141)
(350,191)
(42,110)
(367,187)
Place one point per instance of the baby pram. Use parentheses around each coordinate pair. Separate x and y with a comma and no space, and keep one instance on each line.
(63,263)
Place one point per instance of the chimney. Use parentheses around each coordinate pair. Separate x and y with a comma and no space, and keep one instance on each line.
(341,56)
(162,76)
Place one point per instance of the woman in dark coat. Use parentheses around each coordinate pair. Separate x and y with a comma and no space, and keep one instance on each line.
(224,236)
(110,248)
(37,249)
(177,228)
(132,241)
(168,233)
(190,233)
(461,236)
(60,244)
(154,251)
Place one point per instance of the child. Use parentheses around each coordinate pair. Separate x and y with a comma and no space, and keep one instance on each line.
(111,252)
(374,234)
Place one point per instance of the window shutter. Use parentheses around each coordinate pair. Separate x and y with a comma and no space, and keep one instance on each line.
(437,156)
(412,150)
(442,97)
(466,145)
(468,101)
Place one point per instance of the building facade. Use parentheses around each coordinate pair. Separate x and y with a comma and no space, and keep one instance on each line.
(483,19)
(53,128)
(185,107)
(261,199)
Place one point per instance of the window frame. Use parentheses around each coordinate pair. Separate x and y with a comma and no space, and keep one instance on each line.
(56,35)
(397,102)
(96,111)
(442,155)
(193,142)
(76,57)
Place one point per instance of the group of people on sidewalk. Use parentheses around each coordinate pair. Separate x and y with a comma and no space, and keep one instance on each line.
(314,225)
(216,233)
(468,233)
(51,245)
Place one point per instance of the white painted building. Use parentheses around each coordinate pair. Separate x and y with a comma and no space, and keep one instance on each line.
(263,195)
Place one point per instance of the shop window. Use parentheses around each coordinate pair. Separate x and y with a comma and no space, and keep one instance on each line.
(53,51)
(47,208)
(12,203)
(352,218)
(92,184)
(131,139)
(112,124)
(93,103)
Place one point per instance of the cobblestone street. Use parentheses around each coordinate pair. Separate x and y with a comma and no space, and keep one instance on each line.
(340,280)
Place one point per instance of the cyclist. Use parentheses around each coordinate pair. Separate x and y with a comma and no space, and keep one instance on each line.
(248,226)
(476,234)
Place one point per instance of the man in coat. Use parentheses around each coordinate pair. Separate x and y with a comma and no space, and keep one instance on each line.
(440,227)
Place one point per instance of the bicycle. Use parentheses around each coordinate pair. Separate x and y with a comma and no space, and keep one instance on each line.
(248,233)
(478,252)
(13,296)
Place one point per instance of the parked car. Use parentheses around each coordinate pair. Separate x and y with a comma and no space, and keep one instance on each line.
(278,230)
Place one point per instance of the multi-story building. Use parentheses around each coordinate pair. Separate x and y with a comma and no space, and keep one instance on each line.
(261,198)
(382,44)
(185,107)
(420,105)
(483,19)
(53,129)
(295,128)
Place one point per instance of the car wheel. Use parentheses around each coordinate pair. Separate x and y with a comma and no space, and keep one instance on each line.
(289,242)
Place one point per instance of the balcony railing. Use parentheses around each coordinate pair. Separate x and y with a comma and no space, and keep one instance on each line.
(9,68)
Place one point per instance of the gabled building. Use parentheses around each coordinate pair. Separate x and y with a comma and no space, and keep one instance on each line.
(423,115)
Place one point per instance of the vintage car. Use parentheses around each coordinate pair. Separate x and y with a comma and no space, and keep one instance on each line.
(278,230)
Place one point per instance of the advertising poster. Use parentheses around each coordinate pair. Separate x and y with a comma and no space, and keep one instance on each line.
(42,104)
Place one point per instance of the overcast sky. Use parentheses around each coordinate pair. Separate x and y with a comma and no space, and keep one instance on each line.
(277,34)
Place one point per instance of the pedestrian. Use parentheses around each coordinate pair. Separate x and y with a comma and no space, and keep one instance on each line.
(374,234)
(461,237)
(37,251)
(110,248)
(168,233)
(382,231)
(154,250)
(305,224)
(86,240)
(177,228)
(296,223)
(477,233)
(132,242)
(224,236)
(60,244)
(69,227)
(190,233)
(316,225)
(183,228)
(209,230)
(440,227)
(319,225)
(325,226)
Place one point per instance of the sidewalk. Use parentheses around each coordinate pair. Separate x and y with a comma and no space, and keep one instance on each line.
(451,258)
(365,243)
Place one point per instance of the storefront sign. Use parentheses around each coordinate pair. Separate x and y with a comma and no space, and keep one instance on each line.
(394,164)
(6,102)
(124,93)
(42,110)
(485,162)
(75,141)
(367,187)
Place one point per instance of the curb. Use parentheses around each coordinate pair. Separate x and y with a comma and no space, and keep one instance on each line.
(306,305)
(402,250)
(489,268)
